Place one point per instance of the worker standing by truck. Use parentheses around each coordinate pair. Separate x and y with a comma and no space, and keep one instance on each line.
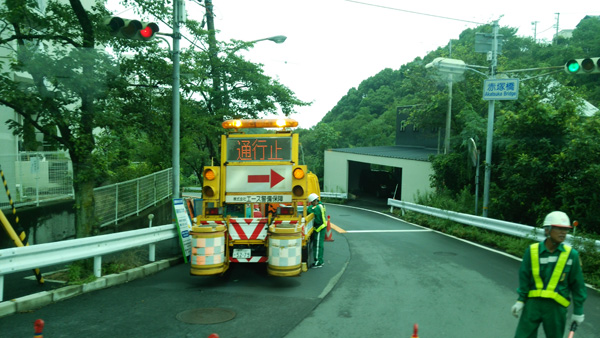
(318,237)
(550,273)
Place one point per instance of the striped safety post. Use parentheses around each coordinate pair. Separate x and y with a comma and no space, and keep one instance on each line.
(415,331)
(329,237)
(38,327)
(21,233)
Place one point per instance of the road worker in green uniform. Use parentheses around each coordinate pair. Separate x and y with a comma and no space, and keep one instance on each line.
(318,236)
(550,273)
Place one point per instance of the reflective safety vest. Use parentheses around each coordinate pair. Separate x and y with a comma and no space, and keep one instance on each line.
(550,290)
(323,217)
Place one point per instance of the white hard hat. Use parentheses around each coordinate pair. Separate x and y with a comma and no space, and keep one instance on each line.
(557,219)
(312,197)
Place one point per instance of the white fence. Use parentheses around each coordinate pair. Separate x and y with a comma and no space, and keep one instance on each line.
(33,177)
(509,228)
(117,201)
(37,177)
(25,258)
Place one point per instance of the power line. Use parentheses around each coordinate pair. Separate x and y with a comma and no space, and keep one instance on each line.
(547,29)
(413,12)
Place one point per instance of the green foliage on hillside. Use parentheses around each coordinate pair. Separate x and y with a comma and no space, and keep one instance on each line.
(544,154)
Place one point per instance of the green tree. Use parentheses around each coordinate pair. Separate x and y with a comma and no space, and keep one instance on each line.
(63,83)
(526,168)
(110,110)
(579,164)
(314,142)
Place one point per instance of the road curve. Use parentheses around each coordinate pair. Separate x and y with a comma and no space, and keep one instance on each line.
(401,274)
(380,278)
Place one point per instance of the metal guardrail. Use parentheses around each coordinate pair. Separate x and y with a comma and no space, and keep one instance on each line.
(508,228)
(341,195)
(25,258)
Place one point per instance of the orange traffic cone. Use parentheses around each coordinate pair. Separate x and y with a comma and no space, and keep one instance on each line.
(329,237)
(415,331)
(38,327)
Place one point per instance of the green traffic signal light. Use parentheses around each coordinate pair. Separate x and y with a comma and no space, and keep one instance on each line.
(573,66)
(583,66)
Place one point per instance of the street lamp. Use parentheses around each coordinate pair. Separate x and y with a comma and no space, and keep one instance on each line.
(448,67)
(277,39)
(452,66)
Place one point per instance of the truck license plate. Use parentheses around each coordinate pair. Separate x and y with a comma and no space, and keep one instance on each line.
(241,253)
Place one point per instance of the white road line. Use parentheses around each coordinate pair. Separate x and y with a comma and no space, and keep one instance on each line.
(351,231)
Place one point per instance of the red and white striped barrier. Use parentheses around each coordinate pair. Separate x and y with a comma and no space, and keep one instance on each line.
(247,228)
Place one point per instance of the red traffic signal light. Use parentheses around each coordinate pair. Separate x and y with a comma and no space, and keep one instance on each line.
(131,29)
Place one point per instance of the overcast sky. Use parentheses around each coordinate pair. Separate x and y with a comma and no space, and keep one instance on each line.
(333,45)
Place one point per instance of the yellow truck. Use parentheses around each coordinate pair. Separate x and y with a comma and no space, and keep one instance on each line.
(253,203)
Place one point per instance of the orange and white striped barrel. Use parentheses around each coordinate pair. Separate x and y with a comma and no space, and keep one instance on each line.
(208,250)
(285,251)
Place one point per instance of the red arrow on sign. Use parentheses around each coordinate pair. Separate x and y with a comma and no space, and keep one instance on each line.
(274,178)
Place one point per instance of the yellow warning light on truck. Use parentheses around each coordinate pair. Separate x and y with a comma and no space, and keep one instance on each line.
(210,186)
(260,123)
(299,182)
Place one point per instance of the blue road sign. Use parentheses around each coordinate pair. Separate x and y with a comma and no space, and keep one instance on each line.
(501,89)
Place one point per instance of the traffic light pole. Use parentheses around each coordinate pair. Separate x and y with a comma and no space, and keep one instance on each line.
(490,127)
(175,124)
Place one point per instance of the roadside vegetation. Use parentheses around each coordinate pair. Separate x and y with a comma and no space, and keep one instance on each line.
(81,272)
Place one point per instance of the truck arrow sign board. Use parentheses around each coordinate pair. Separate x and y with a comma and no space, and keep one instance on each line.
(273,179)
(259,179)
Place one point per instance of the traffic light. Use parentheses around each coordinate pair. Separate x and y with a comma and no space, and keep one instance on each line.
(211,183)
(131,29)
(583,66)
(299,183)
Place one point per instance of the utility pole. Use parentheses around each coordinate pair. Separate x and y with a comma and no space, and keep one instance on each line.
(449,112)
(534,23)
(556,36)
(213,56)
(490,126)
(177,16)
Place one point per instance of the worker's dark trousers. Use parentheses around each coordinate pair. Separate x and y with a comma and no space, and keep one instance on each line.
(545,311)
(318,241)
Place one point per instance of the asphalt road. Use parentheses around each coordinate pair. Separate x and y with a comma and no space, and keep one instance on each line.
(380,278)
(401,274)
(262,305)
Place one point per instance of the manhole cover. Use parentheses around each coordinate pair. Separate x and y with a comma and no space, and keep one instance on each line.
(444,253)
(206,316)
